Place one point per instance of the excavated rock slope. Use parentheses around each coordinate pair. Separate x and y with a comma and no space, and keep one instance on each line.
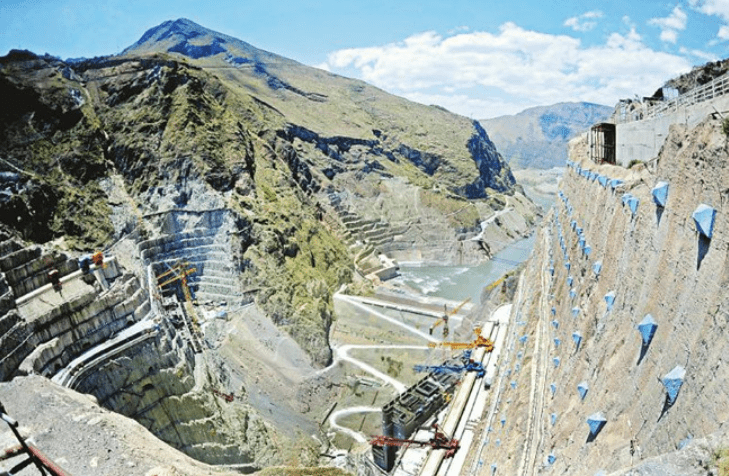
(655,262)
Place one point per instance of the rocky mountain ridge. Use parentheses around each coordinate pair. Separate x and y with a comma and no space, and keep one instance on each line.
(537,137)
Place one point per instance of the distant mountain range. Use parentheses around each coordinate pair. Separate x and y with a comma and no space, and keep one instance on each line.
(537,137)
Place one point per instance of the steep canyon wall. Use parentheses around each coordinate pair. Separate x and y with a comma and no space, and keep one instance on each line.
(606,257)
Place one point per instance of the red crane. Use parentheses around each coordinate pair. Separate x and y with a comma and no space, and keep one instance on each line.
(439,441)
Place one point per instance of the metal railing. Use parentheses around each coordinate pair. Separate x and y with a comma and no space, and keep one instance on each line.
(716,88)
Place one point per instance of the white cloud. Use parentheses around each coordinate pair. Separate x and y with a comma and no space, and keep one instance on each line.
(584,22)
(670,25)
(481,72)
(701,55)
(718,8)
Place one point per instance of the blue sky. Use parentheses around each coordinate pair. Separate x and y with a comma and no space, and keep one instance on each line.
(477,58)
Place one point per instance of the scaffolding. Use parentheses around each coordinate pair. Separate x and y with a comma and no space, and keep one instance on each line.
(602,143)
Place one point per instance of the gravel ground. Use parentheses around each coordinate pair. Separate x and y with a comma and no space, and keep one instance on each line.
(85,439)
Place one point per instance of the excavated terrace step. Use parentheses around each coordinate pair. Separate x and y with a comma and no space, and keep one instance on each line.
(9,246)
(33,274)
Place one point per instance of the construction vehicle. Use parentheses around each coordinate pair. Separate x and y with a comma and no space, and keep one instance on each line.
(444,319)
(439,441)
(479,341)
(98,259)
(55,279)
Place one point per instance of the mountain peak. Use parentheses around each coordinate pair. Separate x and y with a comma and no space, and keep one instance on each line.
(188,38)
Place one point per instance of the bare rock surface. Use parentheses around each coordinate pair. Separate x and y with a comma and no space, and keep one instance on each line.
(85,439)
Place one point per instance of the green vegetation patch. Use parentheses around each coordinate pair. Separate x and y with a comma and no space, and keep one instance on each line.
(721,461)
(461,213)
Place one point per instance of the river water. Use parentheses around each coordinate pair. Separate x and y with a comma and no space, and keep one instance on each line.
(458,283)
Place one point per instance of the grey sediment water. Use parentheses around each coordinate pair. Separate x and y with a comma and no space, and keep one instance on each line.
(458,283)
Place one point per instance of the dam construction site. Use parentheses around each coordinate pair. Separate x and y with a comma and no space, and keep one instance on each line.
(203,273)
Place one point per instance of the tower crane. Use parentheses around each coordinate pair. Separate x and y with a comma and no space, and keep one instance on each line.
(444,319)
(180,272)
(479,341)
(468,366)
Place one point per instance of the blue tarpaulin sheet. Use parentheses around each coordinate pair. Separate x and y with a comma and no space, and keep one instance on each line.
(660,193)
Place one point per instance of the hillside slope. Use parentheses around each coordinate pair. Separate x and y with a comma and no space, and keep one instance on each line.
(537,137)
(580,357)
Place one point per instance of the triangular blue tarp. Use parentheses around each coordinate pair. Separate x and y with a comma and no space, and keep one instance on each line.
(660,193)
(579,230)
(577,337)
(555,324)
(597,267)
(603,180)
(647,328)
(557,341)
(523,339)
(573,293)
(610,300)
(556,361)
(575,311)
(673,381)
(570,280)
(704,217)
(615,183)
(513,384)
(631,201)
(551,458)
(596,421)
(567,265)
(587,250)
(574,224)
(554,311)
(582,389)
(503,421)
(553,418)
(581,243)
(553,388)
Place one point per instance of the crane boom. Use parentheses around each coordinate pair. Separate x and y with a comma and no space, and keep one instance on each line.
(439,441)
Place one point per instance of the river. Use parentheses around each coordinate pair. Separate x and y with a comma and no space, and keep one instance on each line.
(458,283)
